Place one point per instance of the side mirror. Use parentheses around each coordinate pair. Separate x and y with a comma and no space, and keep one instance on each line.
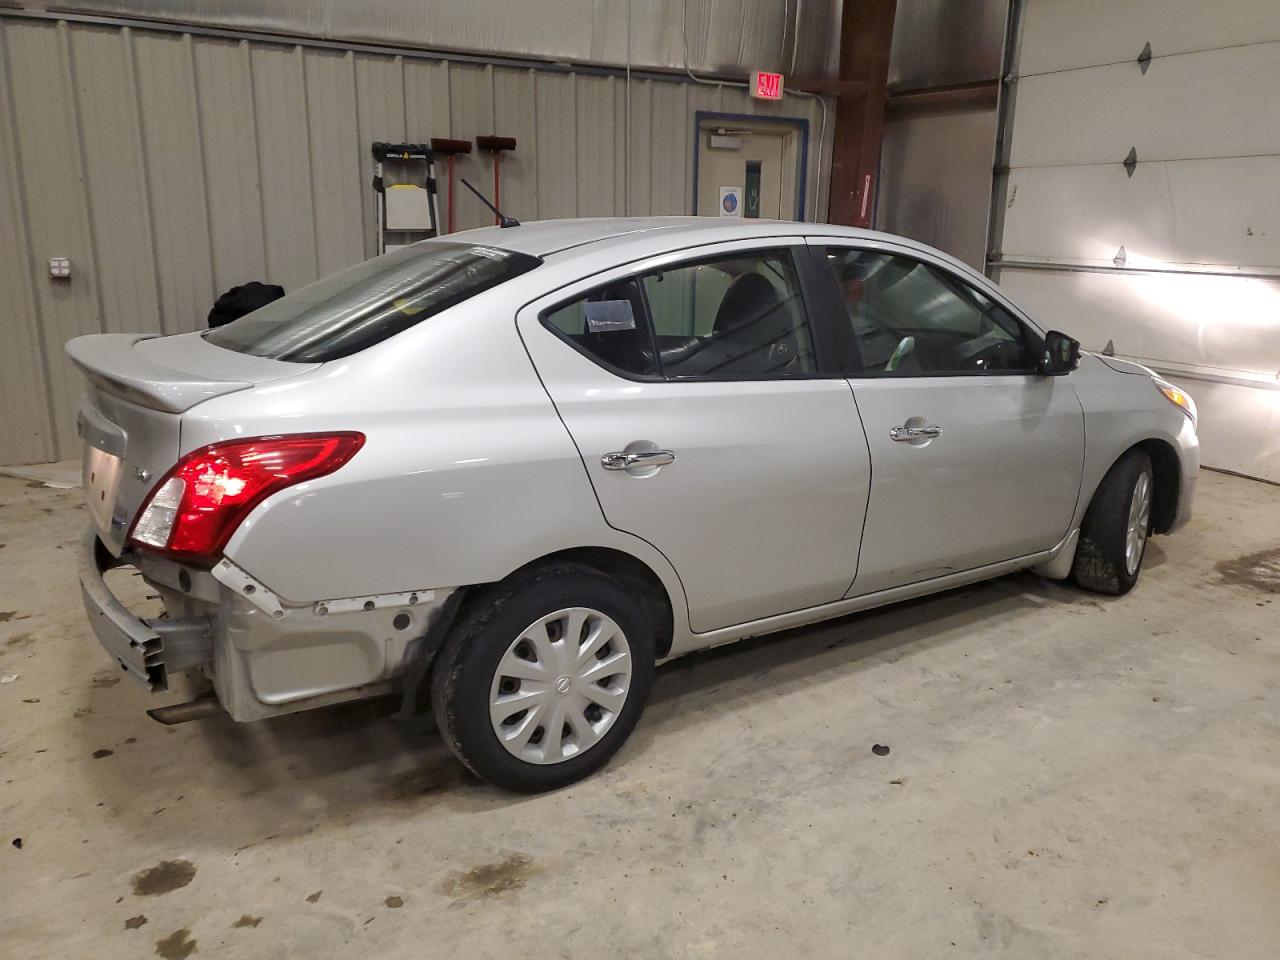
(1061,354)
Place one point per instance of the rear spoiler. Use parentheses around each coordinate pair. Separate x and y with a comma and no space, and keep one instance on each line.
(112,364)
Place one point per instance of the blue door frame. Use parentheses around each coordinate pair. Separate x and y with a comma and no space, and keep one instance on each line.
(799,123)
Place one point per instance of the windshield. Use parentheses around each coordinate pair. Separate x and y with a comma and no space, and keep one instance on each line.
(365,304)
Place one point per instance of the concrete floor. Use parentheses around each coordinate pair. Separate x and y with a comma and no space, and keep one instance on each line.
(1069,776)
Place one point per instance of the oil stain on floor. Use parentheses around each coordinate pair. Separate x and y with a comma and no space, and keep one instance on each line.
(176,946)
(1258,570)
(165,877)
(490,879)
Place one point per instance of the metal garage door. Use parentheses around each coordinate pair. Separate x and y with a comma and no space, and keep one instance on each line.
(1175,258)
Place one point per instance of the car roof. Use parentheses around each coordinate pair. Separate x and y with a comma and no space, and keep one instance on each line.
(542,238)
(625,239)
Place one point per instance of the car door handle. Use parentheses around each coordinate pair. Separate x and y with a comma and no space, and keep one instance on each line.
(644,458)
(914,433)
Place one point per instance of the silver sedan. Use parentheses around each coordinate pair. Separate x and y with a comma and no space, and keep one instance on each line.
(512,469)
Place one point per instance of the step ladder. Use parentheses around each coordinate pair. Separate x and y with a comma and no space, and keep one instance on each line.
(405,195)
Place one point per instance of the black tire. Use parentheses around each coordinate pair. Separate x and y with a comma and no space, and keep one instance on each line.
(464,671)
(1100,556)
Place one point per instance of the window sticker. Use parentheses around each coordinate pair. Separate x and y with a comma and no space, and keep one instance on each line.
(605,316)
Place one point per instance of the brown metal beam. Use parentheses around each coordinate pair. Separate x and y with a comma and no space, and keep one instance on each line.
(983,93)
(866,34)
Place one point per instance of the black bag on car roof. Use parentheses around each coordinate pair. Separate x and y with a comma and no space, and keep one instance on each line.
(246,298)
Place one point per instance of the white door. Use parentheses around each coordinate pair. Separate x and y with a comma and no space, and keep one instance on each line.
(735,449)
(975,457)
(753,164)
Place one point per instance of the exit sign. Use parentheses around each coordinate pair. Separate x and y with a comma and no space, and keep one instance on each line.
(766,86)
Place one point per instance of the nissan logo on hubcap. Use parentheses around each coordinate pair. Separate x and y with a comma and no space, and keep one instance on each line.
(562,685)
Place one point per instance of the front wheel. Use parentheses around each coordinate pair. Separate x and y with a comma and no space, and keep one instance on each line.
(1113,537)
(544,678)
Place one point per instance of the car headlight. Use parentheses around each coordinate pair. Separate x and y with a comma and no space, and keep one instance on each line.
(1177,397)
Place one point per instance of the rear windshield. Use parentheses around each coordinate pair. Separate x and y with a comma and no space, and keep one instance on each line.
(365,304)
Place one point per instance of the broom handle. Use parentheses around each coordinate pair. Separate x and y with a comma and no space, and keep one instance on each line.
(497,180)
(449,160)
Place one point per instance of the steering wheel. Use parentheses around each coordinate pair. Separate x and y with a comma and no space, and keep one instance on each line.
(998,355)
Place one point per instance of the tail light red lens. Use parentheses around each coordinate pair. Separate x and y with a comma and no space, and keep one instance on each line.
(198,504)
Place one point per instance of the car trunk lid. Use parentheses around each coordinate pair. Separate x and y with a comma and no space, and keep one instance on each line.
(139,386)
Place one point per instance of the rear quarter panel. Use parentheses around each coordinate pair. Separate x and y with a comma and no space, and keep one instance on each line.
(467,472)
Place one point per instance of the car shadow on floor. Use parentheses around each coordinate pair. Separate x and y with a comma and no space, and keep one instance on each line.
(285,776)
(746,670)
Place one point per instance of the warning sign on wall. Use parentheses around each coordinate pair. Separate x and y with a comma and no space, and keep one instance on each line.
(731,201)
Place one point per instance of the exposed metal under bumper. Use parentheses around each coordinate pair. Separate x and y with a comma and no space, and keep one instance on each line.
(148,649)
(197,709)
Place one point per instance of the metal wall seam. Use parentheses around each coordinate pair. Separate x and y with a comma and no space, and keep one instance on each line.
(558,118)
(515,115)
(56,213)
(471,115)
(181,210)
(67,63)
(224,90)
(149,207)
(203,160)
(284,150)
(26,430)
(301,66)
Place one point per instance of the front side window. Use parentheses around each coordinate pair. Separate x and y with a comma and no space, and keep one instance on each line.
(369,302)
(912,319)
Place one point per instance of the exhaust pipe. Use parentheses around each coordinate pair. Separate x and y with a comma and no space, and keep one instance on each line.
(197,709)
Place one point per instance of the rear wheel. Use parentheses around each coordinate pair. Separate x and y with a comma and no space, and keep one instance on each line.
(1113,537)
(544,678)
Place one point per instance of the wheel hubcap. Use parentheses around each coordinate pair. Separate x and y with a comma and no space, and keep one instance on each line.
(1139,523)
(560,686)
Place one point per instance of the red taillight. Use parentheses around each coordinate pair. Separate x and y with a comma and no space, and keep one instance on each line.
(197,506)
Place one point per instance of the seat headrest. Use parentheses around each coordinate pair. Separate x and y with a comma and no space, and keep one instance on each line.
(748,298)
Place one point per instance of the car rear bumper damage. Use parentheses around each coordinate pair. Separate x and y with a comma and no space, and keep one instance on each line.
(264,655)
(148,649)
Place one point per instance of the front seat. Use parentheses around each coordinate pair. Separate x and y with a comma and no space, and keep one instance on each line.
(749,298)
(757,328)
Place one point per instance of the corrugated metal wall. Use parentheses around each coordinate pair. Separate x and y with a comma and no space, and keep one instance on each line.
(1196,292)
(936,163)
(170,167)
(729,37)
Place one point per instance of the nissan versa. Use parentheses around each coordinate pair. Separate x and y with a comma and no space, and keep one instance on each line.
(523,465)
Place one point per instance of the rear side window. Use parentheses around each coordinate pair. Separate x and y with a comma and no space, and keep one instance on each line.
(736,317)
(365,304)
(609,326)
